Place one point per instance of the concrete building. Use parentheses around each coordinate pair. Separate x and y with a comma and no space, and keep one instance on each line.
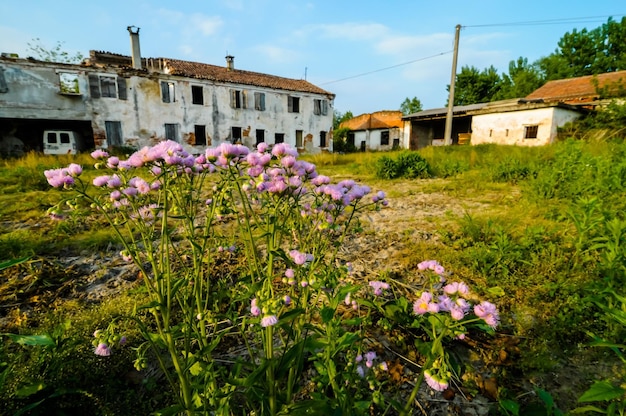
(382,130)
(117,100)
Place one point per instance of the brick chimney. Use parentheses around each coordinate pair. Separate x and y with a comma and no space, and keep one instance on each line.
(134,46)
(230,62)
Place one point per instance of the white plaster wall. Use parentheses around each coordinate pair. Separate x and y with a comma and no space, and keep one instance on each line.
(508,128)
(144,114)
(34,94)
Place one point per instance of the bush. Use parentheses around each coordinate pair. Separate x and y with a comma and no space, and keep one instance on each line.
(407,165)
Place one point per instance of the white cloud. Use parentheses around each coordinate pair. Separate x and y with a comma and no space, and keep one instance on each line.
(207,25)
(346,31)
(276,53)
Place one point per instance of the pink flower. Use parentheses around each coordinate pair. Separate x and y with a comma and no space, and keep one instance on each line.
(434,382)
(487,311)
(103,350)
(378,287)
(254,308)
(99,154)
(269,320)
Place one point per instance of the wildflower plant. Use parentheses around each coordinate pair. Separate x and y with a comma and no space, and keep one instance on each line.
(178,215)
(443,311)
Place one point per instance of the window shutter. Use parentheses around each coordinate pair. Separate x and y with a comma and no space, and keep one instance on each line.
(3,82)
(165,92)
(121,88)
(94,86)
(244,99)
(233,98)
(324,107)
(290,104)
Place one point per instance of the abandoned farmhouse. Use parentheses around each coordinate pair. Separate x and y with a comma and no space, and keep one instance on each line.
(117,100)
(114,100)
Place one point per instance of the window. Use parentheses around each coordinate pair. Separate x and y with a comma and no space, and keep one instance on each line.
(114,133)
(320,107)
(293,104)
(260,136)
(237,99)
(384,138)
(322,139)
(107,86)
(351,141)
(200,134)
(52,137)
(197,96)
(171,132)
(68,83)
(235,134)
(279,137)
(167,92)
(530,132)
(259,101)
(65,138)
(299,138)
(3,82)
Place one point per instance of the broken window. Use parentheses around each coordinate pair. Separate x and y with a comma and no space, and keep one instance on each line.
(299,138)
(293,104)
(235,134)
(171,132)
(3,82)
(259,101)
(200,134)
(197,96)
(320,107)
(114,133)
(237,99)
(167,92)
(530,132)
(108,87)
(384,138)
(260,136)
(279,137)
(322,139)
(68,83)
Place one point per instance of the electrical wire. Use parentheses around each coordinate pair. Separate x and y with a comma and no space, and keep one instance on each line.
(588,19)
(386,68)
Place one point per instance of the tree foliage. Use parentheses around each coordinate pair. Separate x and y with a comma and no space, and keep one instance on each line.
(54,54)
(339,117)
(579,53)
(410,106)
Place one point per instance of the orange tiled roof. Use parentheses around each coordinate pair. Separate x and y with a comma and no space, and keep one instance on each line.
(377,120)
(211,72)
(238,76)
(581,89)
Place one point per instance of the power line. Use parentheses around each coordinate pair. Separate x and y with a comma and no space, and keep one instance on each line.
(386,68)
(588,19)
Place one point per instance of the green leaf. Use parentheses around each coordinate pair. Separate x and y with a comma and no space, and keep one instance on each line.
(496,291)
(327,314)
(195,369)
(587,409)
(10,263)
(510,406)
(33,340)
(601,391)
(30,390)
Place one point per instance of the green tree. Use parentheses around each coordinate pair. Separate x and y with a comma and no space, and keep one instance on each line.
(410,106)
(339,117)
(55,54)
(522,79)
(587,52)
(475,86)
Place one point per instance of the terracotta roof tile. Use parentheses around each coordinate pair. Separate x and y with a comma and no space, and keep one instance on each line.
(377,120)
(238,76)
(581,89)
(210,72)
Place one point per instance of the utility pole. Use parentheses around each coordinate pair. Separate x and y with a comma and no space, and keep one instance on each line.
(447,140)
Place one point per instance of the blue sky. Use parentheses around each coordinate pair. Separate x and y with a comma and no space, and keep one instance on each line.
(403,47)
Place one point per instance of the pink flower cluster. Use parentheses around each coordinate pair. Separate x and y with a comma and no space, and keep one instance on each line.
(369,358)
(378,287)
(434,381)
(63,177)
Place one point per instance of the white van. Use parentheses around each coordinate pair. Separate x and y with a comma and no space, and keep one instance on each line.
(61,142)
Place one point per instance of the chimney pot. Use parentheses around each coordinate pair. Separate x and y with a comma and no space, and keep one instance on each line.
(230,62)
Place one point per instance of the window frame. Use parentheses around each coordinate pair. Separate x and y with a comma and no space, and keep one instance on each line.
(293,104)
(197,94)
(320,107)
(168,91)
(108,86)
(236,134)
(68,83)
(531,131)
(384,138)
(199,130)
(172,128)
(259,101)
(323,139)
(113,131)
(261,133)
(279,138)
